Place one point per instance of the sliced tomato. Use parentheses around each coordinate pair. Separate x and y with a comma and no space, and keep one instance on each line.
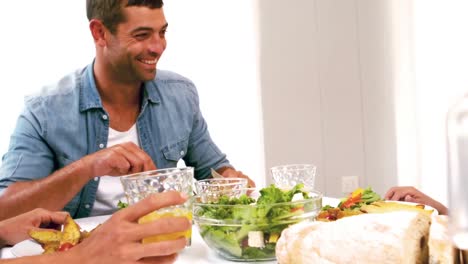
(352,200)
(300,208)
(245,242)
(65,246)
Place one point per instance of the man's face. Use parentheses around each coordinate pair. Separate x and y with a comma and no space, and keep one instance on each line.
(134,50)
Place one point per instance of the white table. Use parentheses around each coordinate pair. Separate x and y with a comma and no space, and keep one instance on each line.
(197,253)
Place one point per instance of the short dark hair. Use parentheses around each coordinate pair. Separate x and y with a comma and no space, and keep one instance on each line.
(110,11)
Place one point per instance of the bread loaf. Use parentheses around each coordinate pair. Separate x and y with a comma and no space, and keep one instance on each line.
(394,237)
(441,250)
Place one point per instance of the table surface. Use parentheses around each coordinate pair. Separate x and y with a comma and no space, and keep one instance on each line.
(197,253)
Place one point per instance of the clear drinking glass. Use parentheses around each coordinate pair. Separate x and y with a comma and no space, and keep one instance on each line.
(457,139)
(287,176)
(139,185)
(209,190)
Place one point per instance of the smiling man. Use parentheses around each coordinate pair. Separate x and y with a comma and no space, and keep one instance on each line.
(119,115)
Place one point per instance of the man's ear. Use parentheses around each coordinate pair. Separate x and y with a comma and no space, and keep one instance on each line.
(98,31)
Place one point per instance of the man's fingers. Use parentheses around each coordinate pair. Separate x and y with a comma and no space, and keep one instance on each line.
(409,198)
(132,159)
(251,183)
(160,226)
(53,220)
(163,248)
(136,164)
(152,203)
(389,194)
(46,218)
(117,164)
(145,160)
(138,251)
(58,217)
(159,260)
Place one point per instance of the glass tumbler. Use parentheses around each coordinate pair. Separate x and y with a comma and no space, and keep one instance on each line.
(287,176)
(209,190)
(457,139)
(139,185)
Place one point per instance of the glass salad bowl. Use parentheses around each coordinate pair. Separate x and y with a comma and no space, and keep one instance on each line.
(247,229)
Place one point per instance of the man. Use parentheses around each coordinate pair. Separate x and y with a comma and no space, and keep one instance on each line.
(115,241)
(117,116)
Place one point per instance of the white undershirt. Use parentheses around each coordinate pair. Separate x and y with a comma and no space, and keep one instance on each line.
(110,190)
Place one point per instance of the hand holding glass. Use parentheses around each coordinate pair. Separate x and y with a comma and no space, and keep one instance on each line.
(139,185)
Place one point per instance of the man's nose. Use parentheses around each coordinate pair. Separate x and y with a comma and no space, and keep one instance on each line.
(157,45)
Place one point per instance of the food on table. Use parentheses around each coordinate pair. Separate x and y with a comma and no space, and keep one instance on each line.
(441,249)
(388,206)
(48,239)
(358,198)
(363,201)
(247,229)
(394,237)
(122,205)
(54,240)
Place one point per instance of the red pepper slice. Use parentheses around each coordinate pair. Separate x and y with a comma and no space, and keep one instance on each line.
(352,200)
(65,246)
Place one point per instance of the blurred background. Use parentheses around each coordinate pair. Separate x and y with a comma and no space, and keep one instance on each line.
(359,88)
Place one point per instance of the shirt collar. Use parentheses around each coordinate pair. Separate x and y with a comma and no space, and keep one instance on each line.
(152,91)
(89,95)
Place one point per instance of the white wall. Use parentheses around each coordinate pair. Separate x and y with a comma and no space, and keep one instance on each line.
(441,63)
(38,47)
(327,89)
(216,49)
(215,44)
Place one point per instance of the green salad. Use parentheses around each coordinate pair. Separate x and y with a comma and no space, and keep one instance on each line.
(247,229)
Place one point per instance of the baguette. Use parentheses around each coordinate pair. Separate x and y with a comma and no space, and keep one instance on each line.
(441,250)
(394,237)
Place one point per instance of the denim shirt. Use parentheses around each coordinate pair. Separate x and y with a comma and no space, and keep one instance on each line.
(67,121)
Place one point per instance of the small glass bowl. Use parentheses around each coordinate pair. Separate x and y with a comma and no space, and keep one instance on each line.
(209,190)
(287,176)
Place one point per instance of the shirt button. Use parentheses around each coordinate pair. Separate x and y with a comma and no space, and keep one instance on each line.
(101,145)
(87,206)
(182,152)
(104,117)
(96,179)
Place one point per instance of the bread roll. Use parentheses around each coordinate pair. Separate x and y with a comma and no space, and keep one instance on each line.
(394,237)
(441,250)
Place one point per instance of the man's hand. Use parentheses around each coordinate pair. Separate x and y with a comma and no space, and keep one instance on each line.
(118,240)
(56,190)
(228,172)
(121,159)
(14,230)
(411,194)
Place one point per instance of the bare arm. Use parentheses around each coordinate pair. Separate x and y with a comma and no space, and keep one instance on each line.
(52,192)
(56,190)
(411,194)
(118,239)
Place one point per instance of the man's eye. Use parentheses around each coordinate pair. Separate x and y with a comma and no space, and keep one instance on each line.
(141,36)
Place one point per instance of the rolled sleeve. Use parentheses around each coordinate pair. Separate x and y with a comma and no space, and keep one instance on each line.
(28,157)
